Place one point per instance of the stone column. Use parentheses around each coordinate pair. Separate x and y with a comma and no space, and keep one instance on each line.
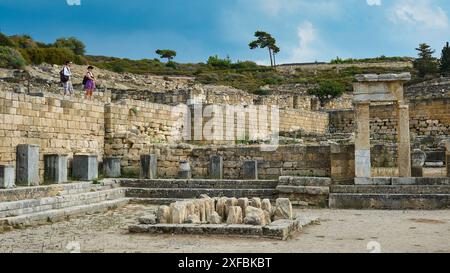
(250,170)
(404,141)
(27,173)
(216,167)
(55,169)
(111,167)
(148,167)
(362,140)
(85,167)
(418,158)
(6,176)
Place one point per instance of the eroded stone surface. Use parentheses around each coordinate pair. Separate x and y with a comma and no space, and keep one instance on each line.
(283,209)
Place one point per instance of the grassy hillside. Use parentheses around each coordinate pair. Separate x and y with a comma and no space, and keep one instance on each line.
(243,75)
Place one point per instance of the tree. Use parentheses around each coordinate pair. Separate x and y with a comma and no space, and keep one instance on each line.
(166,54)
(71,43)
(265,40)
(445,60)
(327,90)
(426,64)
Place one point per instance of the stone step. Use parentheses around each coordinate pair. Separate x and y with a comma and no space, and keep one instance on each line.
(195,193)
(23,193)
(155,201)
(389,189)
(200,184)
(17,208)
(389,201)
(61,214)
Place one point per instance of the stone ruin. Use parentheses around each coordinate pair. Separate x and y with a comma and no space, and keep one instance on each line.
(225,216)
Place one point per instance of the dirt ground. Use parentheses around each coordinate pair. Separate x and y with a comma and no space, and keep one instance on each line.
(339,231)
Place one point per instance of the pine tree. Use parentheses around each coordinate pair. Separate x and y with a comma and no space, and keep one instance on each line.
(426,64)
(445,60)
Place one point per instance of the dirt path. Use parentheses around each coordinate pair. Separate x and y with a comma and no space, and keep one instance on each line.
(339,231)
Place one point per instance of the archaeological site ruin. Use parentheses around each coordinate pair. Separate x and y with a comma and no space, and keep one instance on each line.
(217,160)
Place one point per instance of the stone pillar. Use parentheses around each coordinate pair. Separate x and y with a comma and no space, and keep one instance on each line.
(404,141)
(7,176)
(362,140)
(148,167)
(250,170)
(85,167)
(27,173)
(216,167)
(185,170)
(111,167)
(418,158)
(55,169)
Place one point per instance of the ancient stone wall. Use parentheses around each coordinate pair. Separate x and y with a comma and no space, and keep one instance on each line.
(286,160)
(58,125)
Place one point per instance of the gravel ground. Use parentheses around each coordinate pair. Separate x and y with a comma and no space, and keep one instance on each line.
(339,231)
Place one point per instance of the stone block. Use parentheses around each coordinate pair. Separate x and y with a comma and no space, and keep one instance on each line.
(112,167)
(163,215)
(250,170)
(373,181)
(85,167)
(234,216)
(256,202)
(55,169)
(216,167)
(266,205)
(243,203)
(148,167)
(7,175)
(255,217)
(283,209)
(215,219)
(27,172)
(185,171)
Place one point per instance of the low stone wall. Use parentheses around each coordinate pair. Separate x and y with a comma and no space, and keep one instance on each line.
(295,160)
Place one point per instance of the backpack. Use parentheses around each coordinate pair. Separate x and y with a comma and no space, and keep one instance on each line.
(85,79)
(63,77)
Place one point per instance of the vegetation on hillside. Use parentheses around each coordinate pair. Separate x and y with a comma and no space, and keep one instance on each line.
(19,50)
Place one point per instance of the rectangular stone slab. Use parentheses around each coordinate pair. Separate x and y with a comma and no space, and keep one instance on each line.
(216,167)
(27,172)
(55,169)
(250,170)
(112,167)
(7,176)
(85,167)
(148,167)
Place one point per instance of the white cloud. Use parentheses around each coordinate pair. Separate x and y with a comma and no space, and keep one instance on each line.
(306,50)
(419,12)
(374,2)
(282,7)
(73,2)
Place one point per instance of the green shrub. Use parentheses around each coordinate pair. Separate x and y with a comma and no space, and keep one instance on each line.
(217,62)
(6,41)
(25,41)
(51,55)
(262,92)
(327,90)
(11,58)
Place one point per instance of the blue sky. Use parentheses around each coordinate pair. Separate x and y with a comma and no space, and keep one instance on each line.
(306,30)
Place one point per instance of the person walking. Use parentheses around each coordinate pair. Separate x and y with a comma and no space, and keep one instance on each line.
(66,79)
(89,83)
